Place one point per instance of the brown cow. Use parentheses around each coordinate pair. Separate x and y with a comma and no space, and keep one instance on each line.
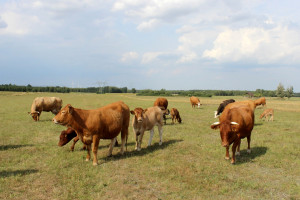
(47,104)
(266,113)
(145,120)
(222,106)
(195,101)
(175,115)
(235,124)
(163,104)
(67,135)
(92,125)
(260,101)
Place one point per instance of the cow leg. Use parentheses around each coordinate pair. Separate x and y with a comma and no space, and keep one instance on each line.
(235,144)
(160,130)
(227,153)
(151,136)
(238,148)
(249,140)
(88,147)
(74,142)
(111,146)
(124,138)
(96,141)
(140,139)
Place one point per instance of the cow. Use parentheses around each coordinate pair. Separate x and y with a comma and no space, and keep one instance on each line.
(222,106)
(145,120)
(67,135)
(195,101)
(46,104)
(163,104)
(235,124)
(175,115)
(260,101)
(92,125)
(266,113)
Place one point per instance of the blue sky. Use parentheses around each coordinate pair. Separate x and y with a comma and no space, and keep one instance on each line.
(144,44)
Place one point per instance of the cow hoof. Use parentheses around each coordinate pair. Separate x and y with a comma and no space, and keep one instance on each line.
(237,153)
(248,150)
(138,149)
(160,143)
(232,162)
(87,160)
(227,158)
(95,164)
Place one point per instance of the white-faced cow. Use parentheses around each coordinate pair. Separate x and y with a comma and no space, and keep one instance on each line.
(195,101)
(235,124)
(46,104)
(92,125)
(145,120)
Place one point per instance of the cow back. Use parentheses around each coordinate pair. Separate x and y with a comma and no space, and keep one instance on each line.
(161,102)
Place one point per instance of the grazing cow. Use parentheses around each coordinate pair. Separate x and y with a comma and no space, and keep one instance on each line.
(266,113)
(92,125)
(175,115)
(195,101)
(163,104)
(145,120)
(47,104)
(222,106)
(235,124)
(260,101)
(67,135)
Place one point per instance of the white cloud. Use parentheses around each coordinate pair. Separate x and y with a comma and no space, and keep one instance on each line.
(129,56)
(257,44)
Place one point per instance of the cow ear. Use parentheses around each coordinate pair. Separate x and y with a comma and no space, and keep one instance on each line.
(215,125)
(132,112)
(70,109)
(234,126)
(145,110)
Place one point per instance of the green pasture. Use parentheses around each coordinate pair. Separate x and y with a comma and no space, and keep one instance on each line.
(189,165)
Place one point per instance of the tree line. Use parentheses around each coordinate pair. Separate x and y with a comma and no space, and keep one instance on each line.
(280,92)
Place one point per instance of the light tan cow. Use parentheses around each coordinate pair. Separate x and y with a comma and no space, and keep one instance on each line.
(145,120)
(46,104)
(195,101)
(267,113)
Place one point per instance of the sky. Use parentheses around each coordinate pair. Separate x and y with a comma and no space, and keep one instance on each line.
(151,44)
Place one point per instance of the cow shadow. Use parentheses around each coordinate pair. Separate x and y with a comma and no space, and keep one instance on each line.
(246,157)
(8,173)
(13,146)
(144,151)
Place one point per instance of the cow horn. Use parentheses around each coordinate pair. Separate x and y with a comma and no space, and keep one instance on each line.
(234,123)
(216,123)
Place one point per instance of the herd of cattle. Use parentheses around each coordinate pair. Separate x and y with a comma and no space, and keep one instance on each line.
(236,121)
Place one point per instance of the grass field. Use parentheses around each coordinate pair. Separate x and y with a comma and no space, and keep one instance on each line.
(189,165)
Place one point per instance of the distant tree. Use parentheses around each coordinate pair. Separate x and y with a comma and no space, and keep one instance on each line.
(280,91)
(289,92)
(133,90)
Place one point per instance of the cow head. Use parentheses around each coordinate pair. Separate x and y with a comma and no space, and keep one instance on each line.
(138,114)
(66,136)
(228,131)
(198,104)
(64,116)
(35,115)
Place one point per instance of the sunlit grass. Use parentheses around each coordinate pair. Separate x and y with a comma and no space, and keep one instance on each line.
(189,165)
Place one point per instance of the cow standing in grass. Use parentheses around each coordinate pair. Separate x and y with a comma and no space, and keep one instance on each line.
(222,106)
(195,101)
(162,103)
(92,125)
(46,104)
(175,115)
(267,113)
(235,123)
(145,120)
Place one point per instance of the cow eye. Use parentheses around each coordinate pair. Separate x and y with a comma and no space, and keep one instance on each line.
(63,112)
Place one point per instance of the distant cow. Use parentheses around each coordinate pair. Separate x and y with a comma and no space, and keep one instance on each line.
(175,115)
(195,101)
(260,101)
(163,104)
(145,120)
(46,104)
(222,106)
(267,113)
(235,124)
(67,135)
(92,125)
